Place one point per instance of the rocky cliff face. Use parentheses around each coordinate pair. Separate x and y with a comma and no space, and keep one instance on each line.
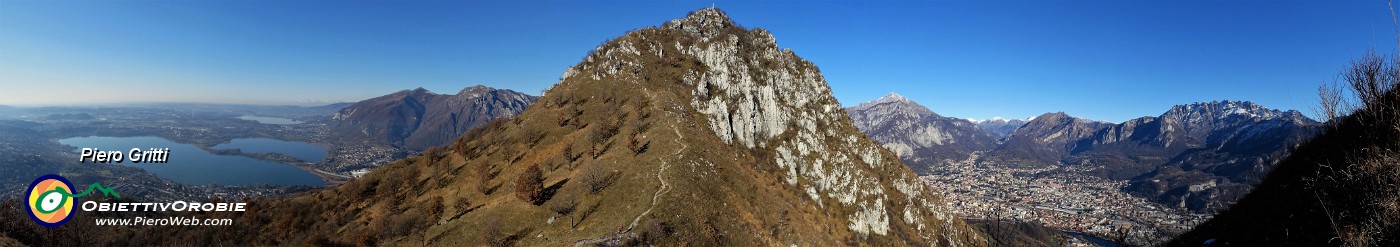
(418,119)
(759,99)
(916,134)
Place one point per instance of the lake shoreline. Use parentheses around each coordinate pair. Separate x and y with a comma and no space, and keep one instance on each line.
(329,179)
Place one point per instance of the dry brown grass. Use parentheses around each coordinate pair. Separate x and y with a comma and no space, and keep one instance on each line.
(1361,196)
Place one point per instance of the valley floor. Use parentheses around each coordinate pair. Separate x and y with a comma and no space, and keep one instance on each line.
(1058,197)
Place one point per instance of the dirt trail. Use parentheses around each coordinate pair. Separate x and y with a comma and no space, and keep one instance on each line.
(655,198)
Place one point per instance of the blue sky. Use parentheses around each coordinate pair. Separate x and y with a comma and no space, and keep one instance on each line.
(1105,60)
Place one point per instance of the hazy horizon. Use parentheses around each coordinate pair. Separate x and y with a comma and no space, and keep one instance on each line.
(1109,61)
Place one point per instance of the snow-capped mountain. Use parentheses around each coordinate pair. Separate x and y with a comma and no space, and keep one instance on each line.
(916,134)
(999,127)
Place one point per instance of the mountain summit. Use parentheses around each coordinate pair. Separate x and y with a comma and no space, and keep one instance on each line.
(704,23)
(894,105)
(698,132)
(1044,140)
(999,127)
(918,135)
(419,119)
(1201,156)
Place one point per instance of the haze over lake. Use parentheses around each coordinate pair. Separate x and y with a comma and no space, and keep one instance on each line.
(191,165)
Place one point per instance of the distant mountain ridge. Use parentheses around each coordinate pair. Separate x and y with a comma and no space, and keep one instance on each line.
(1044,140)
(1198,156)
(1216,151)
(418,119)
(999,127)
(916,134)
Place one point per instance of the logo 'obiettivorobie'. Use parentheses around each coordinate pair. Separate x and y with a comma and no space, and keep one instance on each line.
(50,199)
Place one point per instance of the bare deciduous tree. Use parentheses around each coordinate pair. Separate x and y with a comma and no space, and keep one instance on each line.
(596,178)
(564,205)
(1330,101)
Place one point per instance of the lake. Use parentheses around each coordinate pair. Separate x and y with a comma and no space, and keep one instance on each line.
(269,120)
(301,150)
(191,165)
